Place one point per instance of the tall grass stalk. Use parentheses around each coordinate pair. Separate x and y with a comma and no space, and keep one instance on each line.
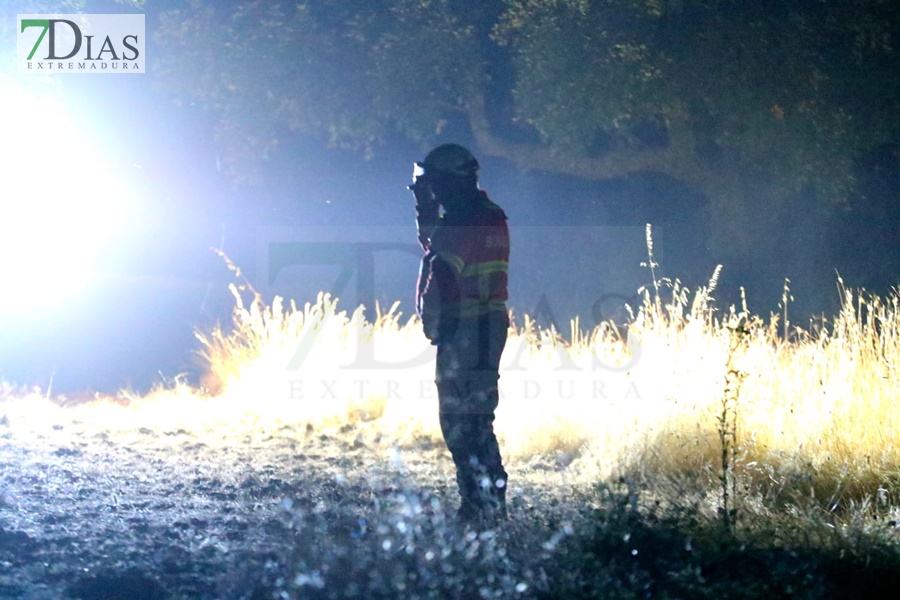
(727,421)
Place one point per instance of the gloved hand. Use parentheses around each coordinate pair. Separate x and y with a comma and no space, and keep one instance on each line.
(427,209)
(421,189)
(431,328)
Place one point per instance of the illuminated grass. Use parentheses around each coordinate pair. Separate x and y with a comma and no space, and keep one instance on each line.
(815,414)
(612,440)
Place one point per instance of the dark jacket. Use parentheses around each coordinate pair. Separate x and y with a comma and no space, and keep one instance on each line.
(464,272)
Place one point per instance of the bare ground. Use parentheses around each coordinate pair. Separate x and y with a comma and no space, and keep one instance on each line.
(115,503)
(155,513)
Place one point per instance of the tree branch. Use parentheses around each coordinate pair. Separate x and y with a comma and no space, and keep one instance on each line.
(677,159)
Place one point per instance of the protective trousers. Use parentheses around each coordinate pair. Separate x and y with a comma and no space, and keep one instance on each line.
(467,376)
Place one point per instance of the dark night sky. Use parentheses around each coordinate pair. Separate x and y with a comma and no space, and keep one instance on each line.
(134,324)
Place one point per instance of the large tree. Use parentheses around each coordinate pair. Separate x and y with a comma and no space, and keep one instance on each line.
(753,104)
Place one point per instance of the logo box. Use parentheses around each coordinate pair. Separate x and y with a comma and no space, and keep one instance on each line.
(80,43)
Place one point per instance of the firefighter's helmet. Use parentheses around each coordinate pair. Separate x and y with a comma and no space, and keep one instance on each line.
(450,159)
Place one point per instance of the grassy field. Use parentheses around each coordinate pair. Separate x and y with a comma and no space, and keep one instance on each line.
(701,452)
(767,449)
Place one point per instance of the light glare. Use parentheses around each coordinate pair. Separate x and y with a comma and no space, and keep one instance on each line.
(61,200)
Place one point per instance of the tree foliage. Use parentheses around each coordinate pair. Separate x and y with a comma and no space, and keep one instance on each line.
(710,92)
(356,71)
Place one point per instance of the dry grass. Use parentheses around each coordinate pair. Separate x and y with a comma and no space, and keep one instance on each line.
(815,414)
(614,443)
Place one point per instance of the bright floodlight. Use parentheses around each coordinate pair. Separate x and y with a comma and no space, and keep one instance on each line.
(59,200)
